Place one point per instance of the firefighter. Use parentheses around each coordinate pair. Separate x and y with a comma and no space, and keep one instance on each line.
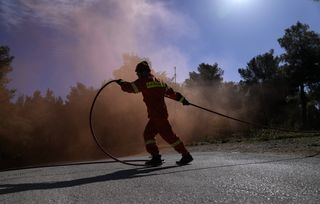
(154,91)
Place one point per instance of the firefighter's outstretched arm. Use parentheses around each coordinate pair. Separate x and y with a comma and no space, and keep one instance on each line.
(182,99)
(170,93)
(119,81)
(129,87)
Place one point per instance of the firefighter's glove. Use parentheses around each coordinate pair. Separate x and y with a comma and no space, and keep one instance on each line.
(182,99)
(185,102)
(119,81)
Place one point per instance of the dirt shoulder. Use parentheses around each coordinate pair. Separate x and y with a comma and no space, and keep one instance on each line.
(296,145)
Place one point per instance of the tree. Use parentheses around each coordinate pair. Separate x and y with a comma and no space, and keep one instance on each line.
(207,75)
(5,68)
(263,81)
(302,61)
(6,108)
(5,95)
(261,69)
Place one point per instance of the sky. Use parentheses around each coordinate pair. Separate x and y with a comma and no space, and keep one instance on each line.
(57,43)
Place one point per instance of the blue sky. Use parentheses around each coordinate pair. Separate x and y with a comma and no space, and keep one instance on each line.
(57,43)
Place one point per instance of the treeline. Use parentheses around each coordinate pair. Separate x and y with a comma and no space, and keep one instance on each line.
(278,91)
(281,90)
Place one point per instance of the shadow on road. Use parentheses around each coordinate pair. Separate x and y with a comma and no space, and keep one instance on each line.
(119,175)
(69,164)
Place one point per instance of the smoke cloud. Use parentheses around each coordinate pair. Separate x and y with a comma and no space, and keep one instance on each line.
(86,39)
(92,40)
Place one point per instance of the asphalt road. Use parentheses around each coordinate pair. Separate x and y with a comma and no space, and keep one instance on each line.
(214,177)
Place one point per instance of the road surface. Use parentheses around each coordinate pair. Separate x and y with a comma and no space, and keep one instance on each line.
(213,177)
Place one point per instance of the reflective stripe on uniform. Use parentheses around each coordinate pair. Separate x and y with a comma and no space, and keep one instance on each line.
(176,143)
(155,84)
(150,142)
(135,88)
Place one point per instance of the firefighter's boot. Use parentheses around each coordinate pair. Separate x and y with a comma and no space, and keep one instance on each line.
(155,161)
(186,159)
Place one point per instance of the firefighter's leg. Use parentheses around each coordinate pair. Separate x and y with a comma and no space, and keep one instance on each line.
(170,137)
(151,146)
(149,138)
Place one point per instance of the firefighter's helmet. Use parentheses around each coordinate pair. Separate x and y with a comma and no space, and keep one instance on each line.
(143,68)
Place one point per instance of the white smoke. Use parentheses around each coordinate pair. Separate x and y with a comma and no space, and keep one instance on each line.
(103,30)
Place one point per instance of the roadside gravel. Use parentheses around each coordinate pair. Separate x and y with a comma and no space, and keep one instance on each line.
(301,145)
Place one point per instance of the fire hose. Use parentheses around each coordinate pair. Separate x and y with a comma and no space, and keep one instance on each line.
(94,135)
(127,162)
(246,122)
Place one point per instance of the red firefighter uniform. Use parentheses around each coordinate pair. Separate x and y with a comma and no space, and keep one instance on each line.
(154,91)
